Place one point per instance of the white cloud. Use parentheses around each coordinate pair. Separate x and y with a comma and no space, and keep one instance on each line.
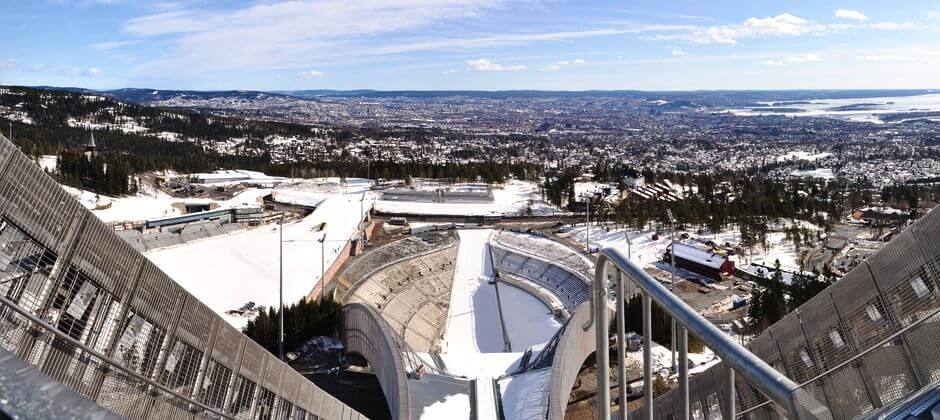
(556,66)
(483,64)
(76,71)
(8,63)
(805,58)
(851,14)
(892,26)
(310,73)
(110,45)
(279,34)
(885,57)
(784,24)
(678,53)
(271,35)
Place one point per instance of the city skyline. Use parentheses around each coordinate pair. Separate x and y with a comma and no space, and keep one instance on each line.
(470,45)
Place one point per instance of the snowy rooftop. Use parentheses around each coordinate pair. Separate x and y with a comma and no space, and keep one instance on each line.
(512,198)
(698,255)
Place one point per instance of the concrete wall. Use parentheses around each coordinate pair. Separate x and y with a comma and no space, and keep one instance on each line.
(364,332)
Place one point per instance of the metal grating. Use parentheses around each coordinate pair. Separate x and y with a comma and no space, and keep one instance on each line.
(38,204)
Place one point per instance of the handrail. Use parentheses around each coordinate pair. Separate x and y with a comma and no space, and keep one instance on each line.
(764,377)
(860,354)
(35,319)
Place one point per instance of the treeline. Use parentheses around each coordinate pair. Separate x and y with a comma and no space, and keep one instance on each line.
(660,323)
(109,175)
(51,134)
(715,201)
(489,171)
(53,108)
(773,299)
(302,320)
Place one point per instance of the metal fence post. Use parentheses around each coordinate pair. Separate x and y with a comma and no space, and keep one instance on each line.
(621,346)
(684,372)
(647,358)
(731,395)
(601,355)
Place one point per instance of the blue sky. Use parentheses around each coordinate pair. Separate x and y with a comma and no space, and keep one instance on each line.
(471,44)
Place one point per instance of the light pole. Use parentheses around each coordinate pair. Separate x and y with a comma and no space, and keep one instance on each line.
(362,233)
(322,242)
(280,333)
(672,257)
(587,237)
(626,234)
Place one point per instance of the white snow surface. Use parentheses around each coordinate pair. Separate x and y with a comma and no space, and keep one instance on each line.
(454,406)
(473,320)
(48,162)
(823,173)
(481,365)
(525,396)
(528,321)
(662,358)
(228,271)
(801,155)
(645,251)
(514,198)
(143,206)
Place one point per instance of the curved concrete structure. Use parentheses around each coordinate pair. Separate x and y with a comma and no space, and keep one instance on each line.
(412,296)
(574,346)
(366,333)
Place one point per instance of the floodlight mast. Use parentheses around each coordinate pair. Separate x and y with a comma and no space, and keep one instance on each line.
(672,257)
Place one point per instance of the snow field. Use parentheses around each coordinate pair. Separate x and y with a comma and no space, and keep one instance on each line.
(228,271)
(528,321)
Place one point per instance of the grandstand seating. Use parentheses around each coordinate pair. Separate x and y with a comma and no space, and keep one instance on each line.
(412,296)
(149,241)
(570,288)
(547,249)
(364,266)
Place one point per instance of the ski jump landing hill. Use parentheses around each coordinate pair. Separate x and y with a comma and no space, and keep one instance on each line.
(447,334)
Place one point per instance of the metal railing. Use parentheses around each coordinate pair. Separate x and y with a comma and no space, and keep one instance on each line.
(793,400)
(933,316)
(97,366)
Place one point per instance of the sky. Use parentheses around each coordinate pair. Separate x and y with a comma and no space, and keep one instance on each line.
(471,44)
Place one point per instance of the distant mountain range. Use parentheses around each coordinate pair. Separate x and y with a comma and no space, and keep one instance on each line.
(716,98)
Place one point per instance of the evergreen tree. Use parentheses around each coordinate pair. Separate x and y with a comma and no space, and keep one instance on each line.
(768,303)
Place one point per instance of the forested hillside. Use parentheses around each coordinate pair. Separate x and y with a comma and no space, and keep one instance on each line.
(134,138)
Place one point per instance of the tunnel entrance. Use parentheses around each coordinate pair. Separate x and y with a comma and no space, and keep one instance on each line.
(356,389)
